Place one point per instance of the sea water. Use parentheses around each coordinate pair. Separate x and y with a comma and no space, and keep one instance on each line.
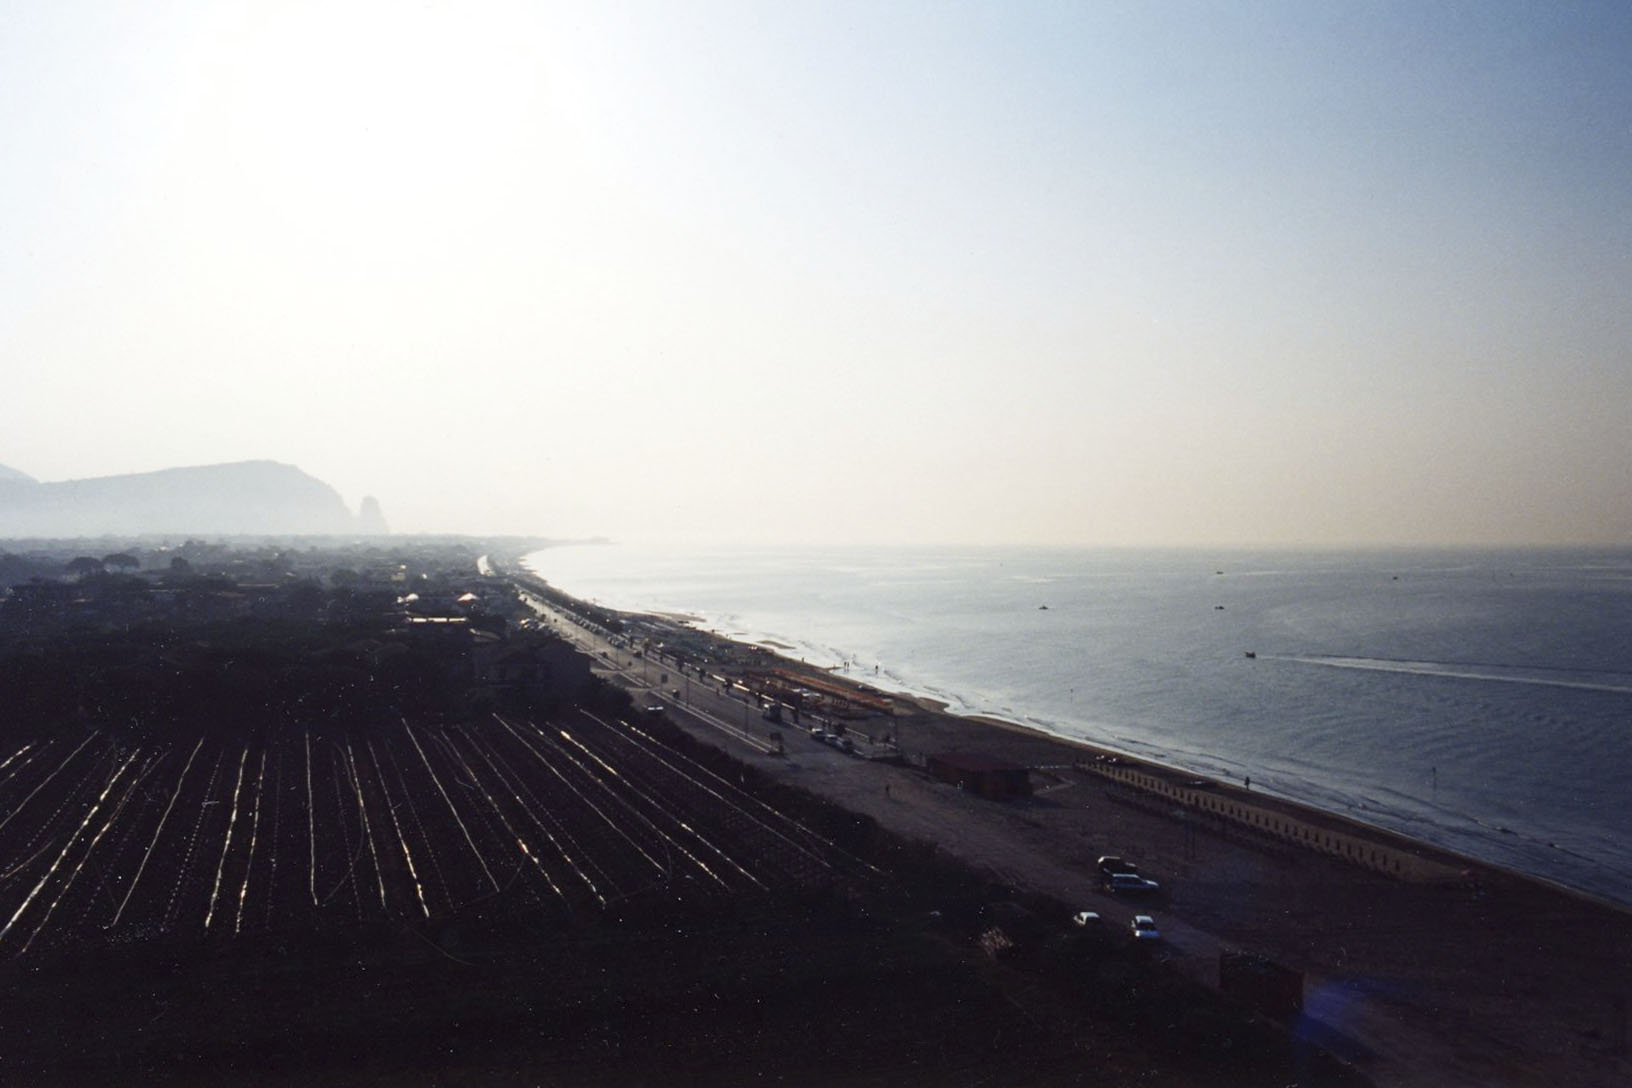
(1481,701)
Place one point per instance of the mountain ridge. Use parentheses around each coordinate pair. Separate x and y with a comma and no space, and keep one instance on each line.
(234,498)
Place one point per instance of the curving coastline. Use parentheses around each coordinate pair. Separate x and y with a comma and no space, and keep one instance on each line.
(1487,977)
(1134,657)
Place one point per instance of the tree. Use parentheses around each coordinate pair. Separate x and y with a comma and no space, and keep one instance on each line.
(85,565)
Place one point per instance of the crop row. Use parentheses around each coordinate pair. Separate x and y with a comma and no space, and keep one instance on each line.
(223,837)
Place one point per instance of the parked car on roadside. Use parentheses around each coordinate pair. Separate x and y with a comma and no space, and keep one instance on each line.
(1129,884)
(1143,928)
(1085,918)
(1111,863)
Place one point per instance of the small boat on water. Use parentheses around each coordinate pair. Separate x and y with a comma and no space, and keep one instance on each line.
(1251,654)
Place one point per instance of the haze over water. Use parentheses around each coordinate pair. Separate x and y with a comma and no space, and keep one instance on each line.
(980,272)
(1478,700)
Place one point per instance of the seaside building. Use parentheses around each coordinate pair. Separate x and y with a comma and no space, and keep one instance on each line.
(988,776)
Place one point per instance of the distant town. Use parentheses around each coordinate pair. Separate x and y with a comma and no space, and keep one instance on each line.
(160,634)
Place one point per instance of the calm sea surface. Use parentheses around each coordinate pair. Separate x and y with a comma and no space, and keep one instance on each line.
(1479,700)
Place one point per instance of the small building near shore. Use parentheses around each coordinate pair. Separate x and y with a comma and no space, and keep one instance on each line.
(990,777)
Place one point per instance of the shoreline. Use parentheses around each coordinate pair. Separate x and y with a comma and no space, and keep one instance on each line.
(1292,806)
(1297,810)
(1446,969)
(684,624)
(1168,780)
(1300,815)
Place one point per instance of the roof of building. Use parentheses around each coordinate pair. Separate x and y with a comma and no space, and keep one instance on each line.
(975,761)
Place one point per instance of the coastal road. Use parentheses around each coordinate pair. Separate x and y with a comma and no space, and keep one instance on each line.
(1384,1037)
(906,802)
(655,679)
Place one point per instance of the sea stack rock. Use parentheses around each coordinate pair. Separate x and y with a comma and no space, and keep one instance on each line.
(370,521)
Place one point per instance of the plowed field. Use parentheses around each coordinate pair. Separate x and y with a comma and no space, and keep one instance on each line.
(224,837)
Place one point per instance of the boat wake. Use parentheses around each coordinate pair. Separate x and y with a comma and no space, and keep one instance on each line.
(1580,680)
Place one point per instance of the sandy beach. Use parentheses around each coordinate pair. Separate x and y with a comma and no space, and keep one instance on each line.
(1421,967)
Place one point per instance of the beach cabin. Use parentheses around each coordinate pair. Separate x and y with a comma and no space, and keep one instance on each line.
(988,776)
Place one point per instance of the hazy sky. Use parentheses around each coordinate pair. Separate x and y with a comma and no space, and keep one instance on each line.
(1143,273)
